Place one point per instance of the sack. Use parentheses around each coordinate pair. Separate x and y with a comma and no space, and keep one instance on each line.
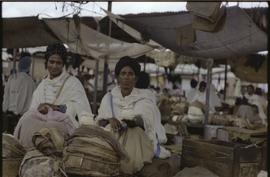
(32,121)
(11,148)
(203,24)
(185,35)
(207,16)
(49,141)
(36,164)
(12,155)
(92,151)
(139,148)
(209,11)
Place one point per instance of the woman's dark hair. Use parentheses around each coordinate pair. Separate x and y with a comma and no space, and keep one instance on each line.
(143,81)
(202,84)
(258,91)
(251,86)
(193,83)
(58,49)
(127,61)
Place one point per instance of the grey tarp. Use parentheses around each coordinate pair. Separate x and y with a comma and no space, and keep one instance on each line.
(22,32)
(26,32)
(251,68)
(79,33)
(239,35)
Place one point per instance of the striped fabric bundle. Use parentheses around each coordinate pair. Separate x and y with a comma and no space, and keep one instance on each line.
(92,151)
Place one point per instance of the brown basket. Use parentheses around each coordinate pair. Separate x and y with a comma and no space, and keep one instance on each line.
(11,167)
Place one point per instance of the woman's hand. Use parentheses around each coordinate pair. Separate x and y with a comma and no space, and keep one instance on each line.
(136,122)
(115,124)
(43,108)
(130,123)
(103,122)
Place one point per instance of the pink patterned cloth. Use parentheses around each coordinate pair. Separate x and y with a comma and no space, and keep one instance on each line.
(54,116)
(32,121)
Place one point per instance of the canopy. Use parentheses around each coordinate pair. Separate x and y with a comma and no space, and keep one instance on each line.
(87,41)
(22,32)
(238,36)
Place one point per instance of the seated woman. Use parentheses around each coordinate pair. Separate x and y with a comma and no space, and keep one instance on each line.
(132,115)
(57,93)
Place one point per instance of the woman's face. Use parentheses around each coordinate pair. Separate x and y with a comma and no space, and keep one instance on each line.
(127,78)
(202,88)
(250,90)
(55,65)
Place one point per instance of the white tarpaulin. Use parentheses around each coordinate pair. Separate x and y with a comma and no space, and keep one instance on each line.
(86,41)
(131,31)
(164,58)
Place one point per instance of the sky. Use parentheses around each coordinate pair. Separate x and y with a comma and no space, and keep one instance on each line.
(55,9)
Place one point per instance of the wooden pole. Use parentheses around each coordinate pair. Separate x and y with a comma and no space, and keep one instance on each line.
(106,67)
(225,79)
(209,82)
(14,60)
(157,75)
(96,87)
(33,66)
(144,64)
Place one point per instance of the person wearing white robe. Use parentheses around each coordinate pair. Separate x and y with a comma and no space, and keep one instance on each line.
(193,91)
(19,89)
(60,88)
(57,100)
(126,103)
(72,95)
(18,94)
(214,100)
(256,100)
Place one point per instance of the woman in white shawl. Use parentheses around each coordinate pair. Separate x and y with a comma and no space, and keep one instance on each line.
(126,106)
(57,92)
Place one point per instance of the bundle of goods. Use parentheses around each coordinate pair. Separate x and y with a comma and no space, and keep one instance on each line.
(179,108)
(46,158)
(12,155)
(232,120)
(36,164)
(221,119)
(196,112)
(164,106)
(91,151)
(222,158)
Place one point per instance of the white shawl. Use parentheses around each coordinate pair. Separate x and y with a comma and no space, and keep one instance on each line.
(140,102)
(72,95)
(214,100)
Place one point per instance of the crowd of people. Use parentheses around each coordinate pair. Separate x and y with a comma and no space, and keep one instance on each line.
(131,110)
(131,114)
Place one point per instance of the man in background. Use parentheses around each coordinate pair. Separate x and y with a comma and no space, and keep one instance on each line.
(18,94)
(193,90)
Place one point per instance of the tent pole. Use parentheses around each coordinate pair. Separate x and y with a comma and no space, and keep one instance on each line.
(105,74)
(144,64)
(225,79)
(14,59)
(33,66)
(96,87)
(106,67)
(157,75)
(209,81)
